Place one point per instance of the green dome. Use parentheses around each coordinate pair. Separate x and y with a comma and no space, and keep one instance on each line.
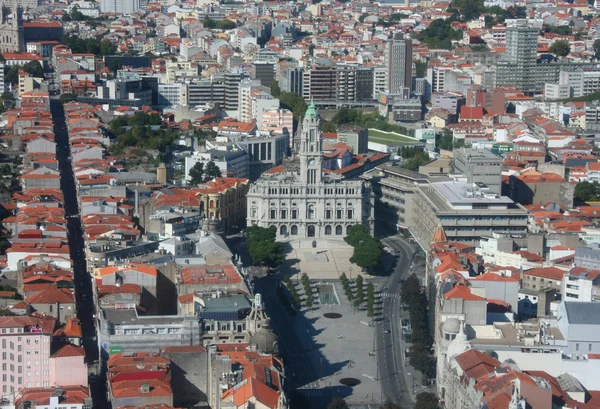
(312,112)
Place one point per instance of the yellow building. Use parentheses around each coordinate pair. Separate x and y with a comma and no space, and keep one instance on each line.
(224,199)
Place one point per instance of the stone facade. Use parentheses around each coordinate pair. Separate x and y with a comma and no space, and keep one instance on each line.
(12,37)
(302,201)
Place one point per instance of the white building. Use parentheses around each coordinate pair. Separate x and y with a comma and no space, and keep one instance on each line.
(580,284)
(172,94)
(308,203)
(119,6)
(232,163)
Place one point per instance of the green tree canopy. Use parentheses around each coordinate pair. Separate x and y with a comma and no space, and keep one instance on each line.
(197,173)
(427,400)
(445,140)
(327,126)
(560,48)
(588,191)
(337,403)
(439,34)
(211,171)
(275,89)
(357,233)
(67,97)
(367,254)
(294,103)
(262,246)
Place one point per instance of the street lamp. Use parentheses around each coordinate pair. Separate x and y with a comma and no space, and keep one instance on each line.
(350,268)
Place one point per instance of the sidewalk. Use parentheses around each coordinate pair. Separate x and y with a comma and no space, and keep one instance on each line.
(414,381)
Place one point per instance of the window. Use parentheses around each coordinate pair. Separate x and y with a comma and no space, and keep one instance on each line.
(311,212)
(577,346)
(350,214)
(294,230)
(273,214)
(283,230)
(339,214)
(284,214)
(328,214)
(294,214)
(253,212)
(328,230)
(338,230)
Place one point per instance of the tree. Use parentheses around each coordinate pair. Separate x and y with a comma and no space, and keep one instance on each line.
(439,34)
(262,246)
(327,126)
(421,68)
(275,89)
(360,297)
(211,171)
(337,403)
(197,173)
(587,191)
(225,25)
(34,68)
(294,103)
(427,400)
(67,97)
(6,313)
(8,100)
(77,15)
(357,233)
(597,47)
(367,254)
(445,140)
(66,17)
(560,48)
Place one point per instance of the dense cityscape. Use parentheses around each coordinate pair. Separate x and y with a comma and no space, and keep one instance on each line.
(317,204)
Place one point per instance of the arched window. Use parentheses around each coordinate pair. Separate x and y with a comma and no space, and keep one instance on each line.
(310,231)
(211,204)
(348,230)
(294,230)
(283,230)
(311,212)
(328,230)
(338,230)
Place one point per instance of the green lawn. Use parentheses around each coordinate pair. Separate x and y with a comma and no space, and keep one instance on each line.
(390,142)
(389,136)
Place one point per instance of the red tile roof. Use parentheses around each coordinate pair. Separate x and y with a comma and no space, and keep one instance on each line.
(210,274)
(463,292)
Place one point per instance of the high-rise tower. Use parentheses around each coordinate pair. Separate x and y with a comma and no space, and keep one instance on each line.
(398,64)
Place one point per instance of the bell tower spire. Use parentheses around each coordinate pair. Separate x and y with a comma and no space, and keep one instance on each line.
(311,147)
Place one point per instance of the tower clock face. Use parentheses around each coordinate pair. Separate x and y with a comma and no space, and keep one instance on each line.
(311,162)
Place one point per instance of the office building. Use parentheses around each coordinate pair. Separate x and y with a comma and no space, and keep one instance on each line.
(398,63)
(203,92)
(519,66)
(119,6)
(479,166)
(264,72)
(326,82)
(291,80)
(465,212)
(172,94)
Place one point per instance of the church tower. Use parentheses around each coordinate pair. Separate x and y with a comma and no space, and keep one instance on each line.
(311,147)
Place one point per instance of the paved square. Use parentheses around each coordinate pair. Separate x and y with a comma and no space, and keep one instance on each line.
(325,262)
(339,348)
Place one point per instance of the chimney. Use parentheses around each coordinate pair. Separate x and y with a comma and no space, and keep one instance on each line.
(145,388)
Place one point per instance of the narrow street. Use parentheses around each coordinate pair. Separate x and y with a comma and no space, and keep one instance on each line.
(82,280)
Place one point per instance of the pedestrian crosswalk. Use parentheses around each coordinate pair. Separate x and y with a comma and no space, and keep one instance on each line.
(390,295)
(312,392)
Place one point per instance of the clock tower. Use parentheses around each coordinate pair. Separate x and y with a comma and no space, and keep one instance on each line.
(311,147)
